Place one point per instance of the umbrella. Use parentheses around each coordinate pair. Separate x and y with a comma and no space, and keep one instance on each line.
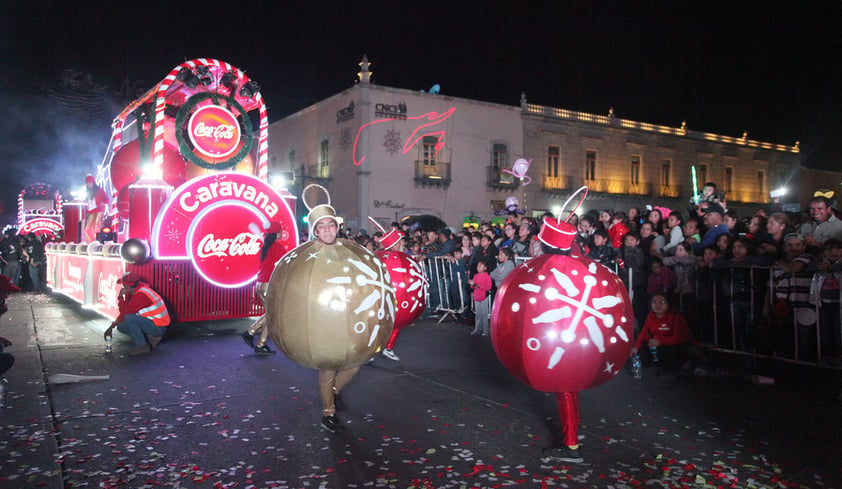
(424,222)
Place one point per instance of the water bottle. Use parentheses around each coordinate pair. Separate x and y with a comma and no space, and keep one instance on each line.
(637,367)
(653,353)
(108,344)
(3,391)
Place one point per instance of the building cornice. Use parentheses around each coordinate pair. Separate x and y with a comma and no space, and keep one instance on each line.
(682,132)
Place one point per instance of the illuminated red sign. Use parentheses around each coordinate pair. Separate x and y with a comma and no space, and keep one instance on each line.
(222,251)
(216,222)
(214,131)
(41,226)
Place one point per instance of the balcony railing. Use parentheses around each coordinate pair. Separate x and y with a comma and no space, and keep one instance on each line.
(557,183)
(319,173)
(619,187)
(498,179)
(437,174)
(669,191)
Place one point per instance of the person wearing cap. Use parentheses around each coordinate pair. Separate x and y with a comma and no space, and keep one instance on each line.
(95,202)
(143,314)
(714,224)
(270,254)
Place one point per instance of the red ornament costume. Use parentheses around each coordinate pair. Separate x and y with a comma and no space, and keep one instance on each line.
(562,323)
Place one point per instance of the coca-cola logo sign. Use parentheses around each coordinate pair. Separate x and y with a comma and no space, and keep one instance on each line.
(214,131)
(217,221)
(221,249)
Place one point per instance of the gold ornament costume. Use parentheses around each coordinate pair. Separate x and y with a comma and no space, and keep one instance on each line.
(330,307)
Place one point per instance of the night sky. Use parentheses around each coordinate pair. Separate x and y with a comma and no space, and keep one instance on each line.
(769,68)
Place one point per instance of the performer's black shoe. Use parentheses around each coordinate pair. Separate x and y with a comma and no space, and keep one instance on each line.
(248,338)
(564,454)
(331,423)
(263,350)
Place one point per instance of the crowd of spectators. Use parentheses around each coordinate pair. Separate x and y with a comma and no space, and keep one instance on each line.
(765,282)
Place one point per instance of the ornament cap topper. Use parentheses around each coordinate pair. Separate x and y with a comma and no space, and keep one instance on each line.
(389,239)
(557,232)
(317,201)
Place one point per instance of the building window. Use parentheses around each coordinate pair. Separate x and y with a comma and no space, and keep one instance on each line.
(634,174)
(702,176)
(666,168)
(553,154)
(498,156)
(324,154)
(761,181)
(729,179)
(590,165)
(429,149)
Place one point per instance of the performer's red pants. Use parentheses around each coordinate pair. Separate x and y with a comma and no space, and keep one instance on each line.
(568,412)
(392,339)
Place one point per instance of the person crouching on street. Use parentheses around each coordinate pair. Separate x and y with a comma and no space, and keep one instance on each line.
(143,314)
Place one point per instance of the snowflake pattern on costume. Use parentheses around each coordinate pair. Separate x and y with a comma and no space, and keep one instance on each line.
(377,302)
(410,286)
(392,141)
(575,307)
(562,323)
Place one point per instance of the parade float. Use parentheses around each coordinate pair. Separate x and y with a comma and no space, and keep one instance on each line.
(189,197)
(40,211)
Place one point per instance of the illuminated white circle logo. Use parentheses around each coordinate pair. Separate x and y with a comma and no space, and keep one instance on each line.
(220,245)
(214,131)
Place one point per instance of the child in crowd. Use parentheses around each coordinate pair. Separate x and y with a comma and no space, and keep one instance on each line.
(661,279)
(666,339)
(459,287)
(481,286)
(505,264)
(634,276)
(683,264)
(602,252)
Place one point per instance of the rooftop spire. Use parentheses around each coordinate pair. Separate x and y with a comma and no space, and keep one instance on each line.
(365,74)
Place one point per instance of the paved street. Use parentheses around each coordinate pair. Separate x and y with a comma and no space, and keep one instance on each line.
(203,411)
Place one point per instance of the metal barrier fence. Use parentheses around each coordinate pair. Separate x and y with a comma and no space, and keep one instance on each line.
(767,311)
(447,293)
(761,311)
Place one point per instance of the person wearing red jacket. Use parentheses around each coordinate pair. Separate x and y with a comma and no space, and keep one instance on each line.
(617,230)
(667,336)
(270,254)
(143,314)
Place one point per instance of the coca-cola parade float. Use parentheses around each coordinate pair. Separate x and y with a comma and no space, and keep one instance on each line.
(40,211)
(187,178)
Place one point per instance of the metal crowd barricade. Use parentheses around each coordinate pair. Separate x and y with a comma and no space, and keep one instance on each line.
(775,298)
(446,294)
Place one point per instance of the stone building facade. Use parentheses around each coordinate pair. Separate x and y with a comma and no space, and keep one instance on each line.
(389,152)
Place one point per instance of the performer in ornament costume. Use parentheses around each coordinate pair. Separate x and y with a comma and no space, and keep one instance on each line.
(408,280)
(330,305)
(270,254)
(562,323)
